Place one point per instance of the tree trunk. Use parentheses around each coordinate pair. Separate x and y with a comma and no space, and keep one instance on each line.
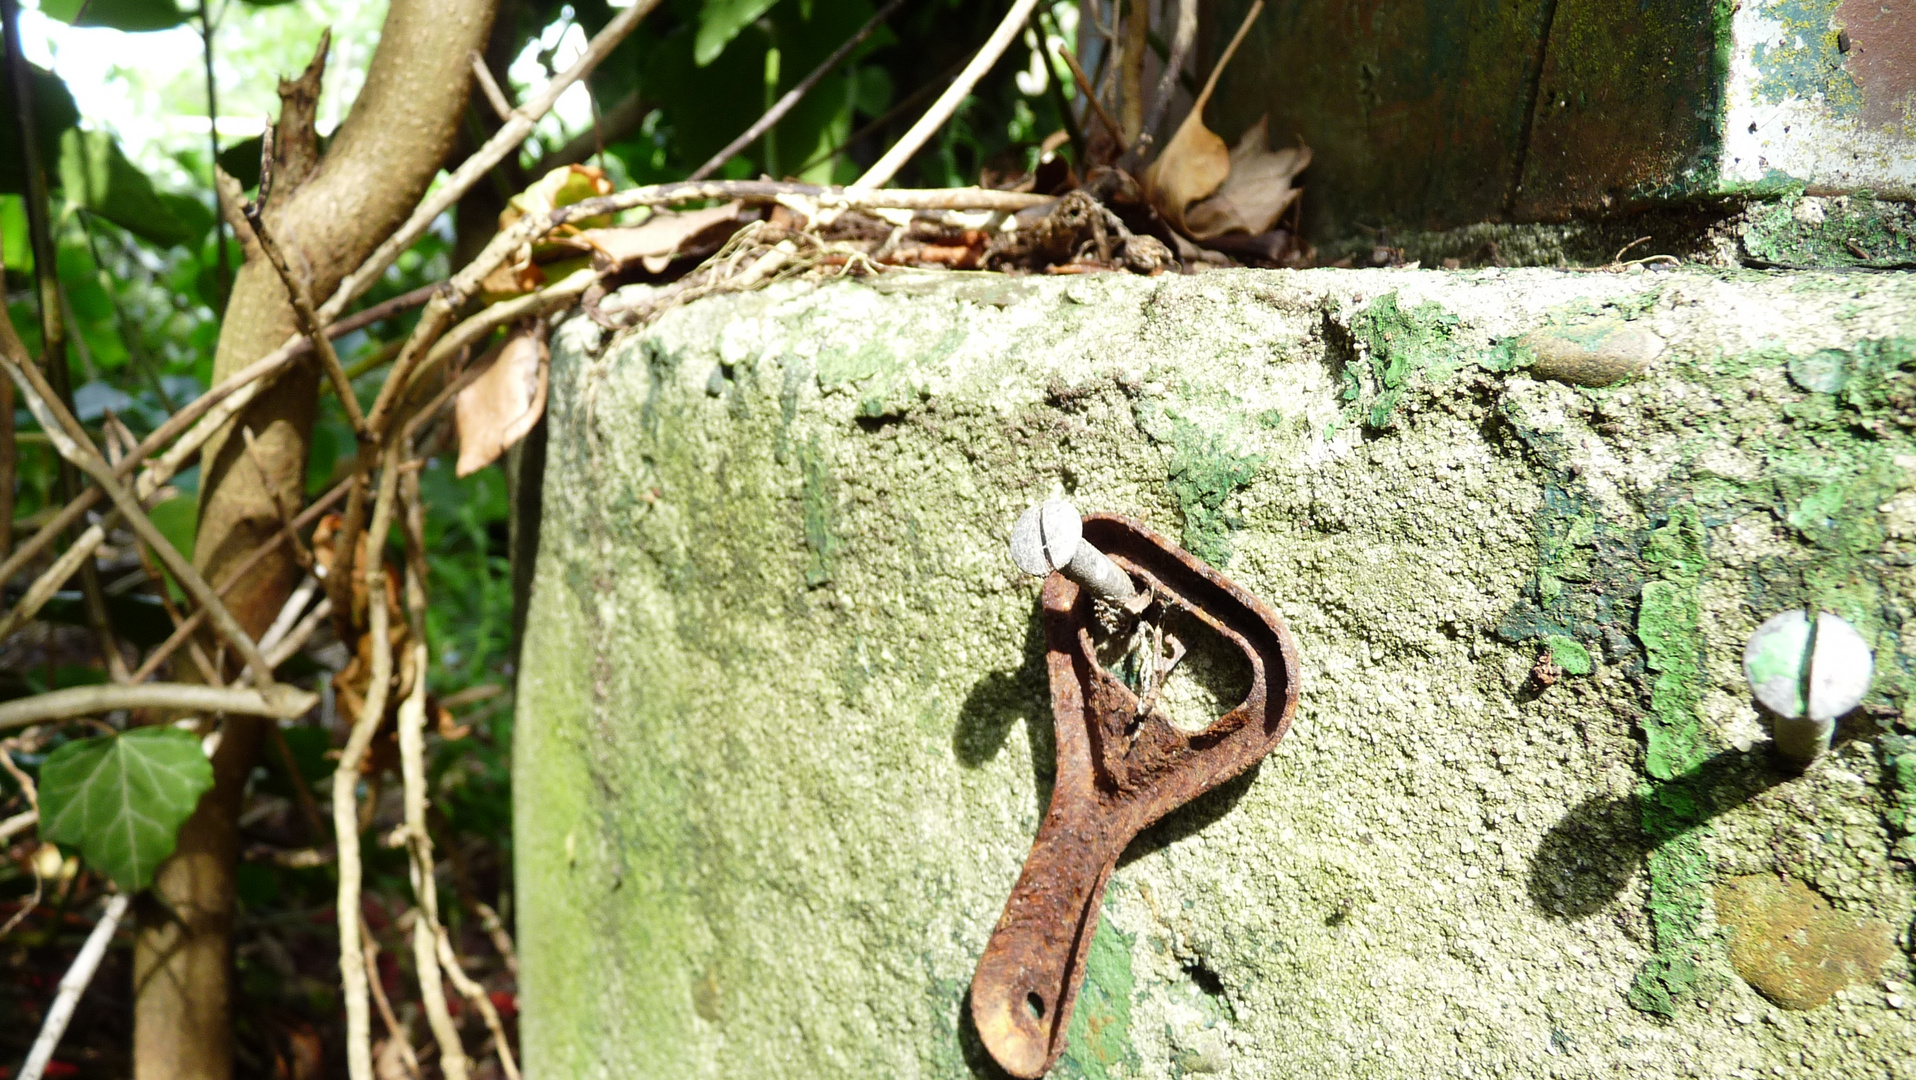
(385,154)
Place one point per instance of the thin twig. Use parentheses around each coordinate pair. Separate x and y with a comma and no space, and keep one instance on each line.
(426,931)
(301,555)
(302,300)
(289,613)
(792,97)
(301,634)
(302,794)
(496,930)
(72,984)
(1091,98)
(352,962)
(900,108)
(483,75)
(71,441)
(1181,41)
(393,1029)
(281,701)
(476,994)
(18,824)
(504,313)
(201,661)
(194,621)
(894,159)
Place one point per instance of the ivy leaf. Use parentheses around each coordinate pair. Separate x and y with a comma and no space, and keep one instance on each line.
(720,21)
(53,113)
(131,15)
(121,798)
(94,173)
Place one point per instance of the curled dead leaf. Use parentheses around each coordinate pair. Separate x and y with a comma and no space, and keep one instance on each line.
(660,238)
(1194,164)
(504,402)
(1255,193)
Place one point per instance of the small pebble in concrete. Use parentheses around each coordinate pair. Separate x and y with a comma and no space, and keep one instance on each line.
(1597,354)
(1794,948)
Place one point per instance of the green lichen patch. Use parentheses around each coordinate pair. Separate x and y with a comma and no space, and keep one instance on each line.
(1395,347)
(1098,1040)
(819,501)
(1802,232)
(1570,657)
(1804,62)
(1204,474)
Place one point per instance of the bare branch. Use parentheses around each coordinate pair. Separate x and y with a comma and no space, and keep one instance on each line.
(18,824)
(784,105)
(394,1030)
(476,994)
(302,301)
(297,638)
(894,159)
(483,75)
(1181,41)
(352,962)
(279,701)
(1091,97)
(193,622)
(496,930)
(72,984)
(71,441)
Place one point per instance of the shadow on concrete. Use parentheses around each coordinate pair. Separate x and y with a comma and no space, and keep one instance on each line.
(1191,818)
(1001,699)
(1586,858)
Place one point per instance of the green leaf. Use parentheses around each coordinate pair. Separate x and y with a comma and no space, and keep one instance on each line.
(14,249)
(53,113)
(121,798)
(96,175)
(241,162)
(720,21)
(131,15)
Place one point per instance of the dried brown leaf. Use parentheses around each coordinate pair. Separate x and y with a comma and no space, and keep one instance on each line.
(503,403)
(661,237)
(1256,192)
(1194,164)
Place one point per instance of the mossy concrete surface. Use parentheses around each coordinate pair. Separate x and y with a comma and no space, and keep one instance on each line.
(784,735)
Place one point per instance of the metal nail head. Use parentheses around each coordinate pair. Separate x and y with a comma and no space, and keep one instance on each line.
(1807,672)
(1050,536)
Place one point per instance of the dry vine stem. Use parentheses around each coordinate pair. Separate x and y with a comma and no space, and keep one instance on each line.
(894,159)
(72,443)
(393,1029)
(352,962)
(72,984)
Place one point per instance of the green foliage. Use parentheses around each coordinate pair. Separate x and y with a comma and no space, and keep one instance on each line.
(131,15)
(720,21)
(53,113)
(96,176)
(121,798)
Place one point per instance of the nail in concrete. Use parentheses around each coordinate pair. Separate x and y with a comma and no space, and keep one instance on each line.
(1050,536)
(1807,673)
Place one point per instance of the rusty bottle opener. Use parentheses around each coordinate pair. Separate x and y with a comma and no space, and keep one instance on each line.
(1118,772)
